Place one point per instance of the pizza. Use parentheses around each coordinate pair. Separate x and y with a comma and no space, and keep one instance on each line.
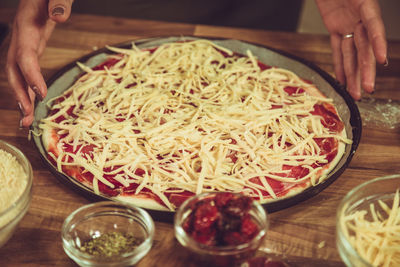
(155,126)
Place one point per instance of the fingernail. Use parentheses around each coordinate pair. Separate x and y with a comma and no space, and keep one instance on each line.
(20,125)
(21,109)
(386,62)
(59,10)
(37,92)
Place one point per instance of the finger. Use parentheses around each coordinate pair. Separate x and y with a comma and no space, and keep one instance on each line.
(28,63)
(20,90)
(31,13)
(366,60)
(59,10)
(371,17)
(27,35)
(27,120)
(16,80)
(50,25)
(25,97)
(336,44)
(350,68)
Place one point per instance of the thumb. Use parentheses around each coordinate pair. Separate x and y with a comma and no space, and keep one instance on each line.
(59,10)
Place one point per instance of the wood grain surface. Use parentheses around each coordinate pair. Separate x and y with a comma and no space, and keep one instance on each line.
(294,234)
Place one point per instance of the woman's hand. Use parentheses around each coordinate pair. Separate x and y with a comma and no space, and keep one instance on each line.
(32,27)
(357,39)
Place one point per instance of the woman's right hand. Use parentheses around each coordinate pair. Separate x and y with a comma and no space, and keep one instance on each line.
(355,56)
(32,27)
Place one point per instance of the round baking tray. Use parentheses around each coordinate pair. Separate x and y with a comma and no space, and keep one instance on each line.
(345,105)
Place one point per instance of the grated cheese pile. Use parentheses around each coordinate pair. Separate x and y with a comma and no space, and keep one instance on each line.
(13,180)
(192,119)
(377,240)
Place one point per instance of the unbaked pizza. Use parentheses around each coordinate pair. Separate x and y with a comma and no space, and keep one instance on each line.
(156,126)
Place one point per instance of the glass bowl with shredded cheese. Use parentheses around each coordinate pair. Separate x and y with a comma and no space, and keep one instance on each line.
(15,189)
(368,224)
(107,233)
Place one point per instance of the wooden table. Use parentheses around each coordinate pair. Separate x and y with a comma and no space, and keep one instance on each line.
(295,233)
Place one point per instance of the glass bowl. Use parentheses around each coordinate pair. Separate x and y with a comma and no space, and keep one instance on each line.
(18,202)
(358,200)
(107,233)
(214,255)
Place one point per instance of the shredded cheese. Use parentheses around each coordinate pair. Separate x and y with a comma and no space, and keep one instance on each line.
(191,118)
(13,180)
(374,234)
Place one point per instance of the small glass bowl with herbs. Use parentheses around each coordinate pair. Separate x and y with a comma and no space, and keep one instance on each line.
(107,233)
(221,228)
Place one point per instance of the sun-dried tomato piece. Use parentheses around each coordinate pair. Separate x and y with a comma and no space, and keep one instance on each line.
(223,198)
(233,238)
(207,238)
(238,206)
(205,216)
(249,228)
(229,224)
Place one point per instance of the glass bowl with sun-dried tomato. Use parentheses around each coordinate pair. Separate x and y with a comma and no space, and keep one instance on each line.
(221,228)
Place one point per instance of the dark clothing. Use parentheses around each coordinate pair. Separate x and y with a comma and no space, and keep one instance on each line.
(259,14)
